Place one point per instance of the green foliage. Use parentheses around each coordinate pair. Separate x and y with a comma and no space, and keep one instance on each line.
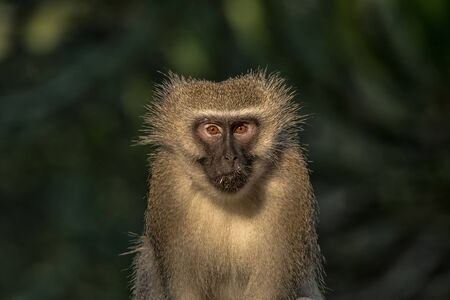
(76,75)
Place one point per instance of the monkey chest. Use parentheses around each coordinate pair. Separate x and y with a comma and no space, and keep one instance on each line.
(222,240)
(224,258)
(232,239)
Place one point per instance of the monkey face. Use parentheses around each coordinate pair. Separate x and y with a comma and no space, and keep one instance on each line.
(227,142)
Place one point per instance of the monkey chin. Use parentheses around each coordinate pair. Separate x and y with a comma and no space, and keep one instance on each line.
(230,183)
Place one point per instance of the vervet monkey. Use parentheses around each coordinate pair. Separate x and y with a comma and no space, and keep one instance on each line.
(231,212)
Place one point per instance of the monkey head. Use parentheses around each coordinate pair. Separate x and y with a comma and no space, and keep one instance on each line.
(226,133)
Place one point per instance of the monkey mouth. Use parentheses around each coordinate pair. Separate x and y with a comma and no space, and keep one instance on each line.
(230,182)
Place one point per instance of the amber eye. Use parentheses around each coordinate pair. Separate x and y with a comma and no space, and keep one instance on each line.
(213,130)
(241,129)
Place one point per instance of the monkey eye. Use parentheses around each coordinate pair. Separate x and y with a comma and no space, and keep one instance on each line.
(244,132)
(212,130)
(241,129)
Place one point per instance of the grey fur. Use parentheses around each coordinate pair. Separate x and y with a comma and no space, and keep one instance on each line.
(199,243)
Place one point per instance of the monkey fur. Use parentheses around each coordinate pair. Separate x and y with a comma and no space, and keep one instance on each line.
(256,240)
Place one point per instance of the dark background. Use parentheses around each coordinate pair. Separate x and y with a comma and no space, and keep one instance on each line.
(373,75)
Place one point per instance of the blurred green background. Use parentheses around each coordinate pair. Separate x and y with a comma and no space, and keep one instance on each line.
(74,79)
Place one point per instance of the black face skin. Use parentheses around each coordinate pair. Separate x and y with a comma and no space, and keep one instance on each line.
(227,163)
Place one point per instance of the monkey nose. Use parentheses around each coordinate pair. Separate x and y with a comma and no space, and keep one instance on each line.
(229,162)
(230,157)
